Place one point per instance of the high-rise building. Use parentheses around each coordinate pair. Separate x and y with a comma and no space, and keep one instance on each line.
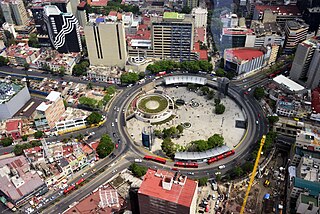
(14,12)
(192,3)
(303,58)
(81,13)
(106,43)
(165,192)
(296,31)
(63,30)
(200,17)
(172,36)
(314,70)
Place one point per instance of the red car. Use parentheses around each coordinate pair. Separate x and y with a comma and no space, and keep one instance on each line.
(246,93)
(117,145)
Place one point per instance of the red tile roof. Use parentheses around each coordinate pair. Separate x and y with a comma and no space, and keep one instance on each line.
(315,100)
(287,9)
(200,32)
(245,53)
(12,125)
(203,54)
(113,13)
(98,3)
(179,194)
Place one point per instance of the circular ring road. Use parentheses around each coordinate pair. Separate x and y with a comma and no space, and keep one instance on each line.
(253,133)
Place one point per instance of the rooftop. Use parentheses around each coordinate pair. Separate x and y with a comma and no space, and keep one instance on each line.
(97,201)
(98,3)
(52,97)
(173,15)
(21,50)
(312,187)
(288,83)
(244,54)
(237,31)
(297,24)
(261,29)
(307,198)
(280,9)
(51,10)
(8,90)
(24,180)
(12,125)
(28,109)
(315,103)
(154,185)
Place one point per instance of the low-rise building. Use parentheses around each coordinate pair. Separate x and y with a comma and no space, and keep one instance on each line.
(287,108)
(300,185)
(18,181)
(309,138)
(21,53)
(14,129)
(55,60)
(105,74)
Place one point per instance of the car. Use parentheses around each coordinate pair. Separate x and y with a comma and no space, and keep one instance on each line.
(118,109)
(246,93)
(112,124)
(175,169)
(222,167)
(119,141)
(259,115)
(116,120)
(213,196)
(249,89)
(257,122)
(217,173)
(190,173)
(209,197)
(114,134)
(117,146)
(137,160)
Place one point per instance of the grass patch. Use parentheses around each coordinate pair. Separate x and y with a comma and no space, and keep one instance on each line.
(163,104)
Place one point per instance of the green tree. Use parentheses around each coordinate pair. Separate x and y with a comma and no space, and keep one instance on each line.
(89,102)
(186,10)
(65,103)
(218,177)
(215,140)
(259,93)
(33,41)
(270,138)
(89,86)
(111,90)
(6,142)
(237,171)
(220,72)
(168,147)
(201,145)
(247,167)
(62,71)
(94,118)
(205,90)
(210,95)
(3,61)
(203,181)
(191,87)
(220,108)
(273,119)
(138,170)
(26,66)
(141,75)
(180,129)
(217,101)
(24,137)
(129,78)
(105,146)
(38,134)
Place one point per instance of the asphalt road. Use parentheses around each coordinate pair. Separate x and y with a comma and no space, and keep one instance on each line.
(254,134)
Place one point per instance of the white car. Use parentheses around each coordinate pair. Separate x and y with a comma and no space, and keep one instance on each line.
(137,160)
(116,120)
(112,124)
(249,89)
(218,173)
(222,167)
(190,173)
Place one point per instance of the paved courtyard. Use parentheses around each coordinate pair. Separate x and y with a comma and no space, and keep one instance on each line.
(204,122)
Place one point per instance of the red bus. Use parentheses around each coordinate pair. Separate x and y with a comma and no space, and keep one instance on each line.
(187,165)
(79,181)
(155,159)
(70,188)
(162,73)
(222,156)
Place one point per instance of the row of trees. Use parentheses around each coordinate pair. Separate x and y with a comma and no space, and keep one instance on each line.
(171,132)
(215,140)
(170,65)
(18,149)
(105,146)
(113,6)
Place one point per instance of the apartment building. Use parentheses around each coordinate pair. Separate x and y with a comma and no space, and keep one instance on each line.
(296,31)
(172,36)
(50,111)
(14,12)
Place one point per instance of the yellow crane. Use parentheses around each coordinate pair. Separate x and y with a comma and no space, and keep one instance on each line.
(255,167)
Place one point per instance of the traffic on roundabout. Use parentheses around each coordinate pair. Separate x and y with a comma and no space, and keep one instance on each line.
(140,118)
